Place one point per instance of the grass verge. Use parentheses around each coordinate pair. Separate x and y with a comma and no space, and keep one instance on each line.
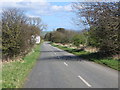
(95,57)
(14,73)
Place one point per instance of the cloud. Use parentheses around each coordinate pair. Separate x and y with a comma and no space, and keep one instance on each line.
(36,7)
(62,8)
(23,1)
(56,8)
(11,0)
(68,7)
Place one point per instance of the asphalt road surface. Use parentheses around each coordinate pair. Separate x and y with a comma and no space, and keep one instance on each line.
(59,69)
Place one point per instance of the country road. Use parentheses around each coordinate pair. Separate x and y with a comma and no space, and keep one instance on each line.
(59,69)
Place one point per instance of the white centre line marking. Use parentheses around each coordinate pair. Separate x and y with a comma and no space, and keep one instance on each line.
(84,81)
(65,63)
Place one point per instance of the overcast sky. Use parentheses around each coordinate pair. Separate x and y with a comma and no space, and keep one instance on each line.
(54,13)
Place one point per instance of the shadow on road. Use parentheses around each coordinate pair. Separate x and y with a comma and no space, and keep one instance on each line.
(87,57)
(61,58)
(51,51)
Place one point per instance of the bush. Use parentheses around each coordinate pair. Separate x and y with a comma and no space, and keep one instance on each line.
(18,33)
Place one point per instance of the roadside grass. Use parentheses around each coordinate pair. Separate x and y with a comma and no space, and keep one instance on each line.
(95,57)
(14,73)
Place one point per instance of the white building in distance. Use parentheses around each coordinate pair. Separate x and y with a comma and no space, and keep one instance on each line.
(37,39)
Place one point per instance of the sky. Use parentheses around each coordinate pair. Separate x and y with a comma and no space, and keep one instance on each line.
(54,13)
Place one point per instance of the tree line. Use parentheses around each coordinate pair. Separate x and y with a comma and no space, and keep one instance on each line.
(104,29)
(64,36)
(60,35)
(18,33)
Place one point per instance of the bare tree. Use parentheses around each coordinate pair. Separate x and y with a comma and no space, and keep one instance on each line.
(103,19)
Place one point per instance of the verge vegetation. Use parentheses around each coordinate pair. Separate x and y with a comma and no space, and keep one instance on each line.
(15,72)
(95,57)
